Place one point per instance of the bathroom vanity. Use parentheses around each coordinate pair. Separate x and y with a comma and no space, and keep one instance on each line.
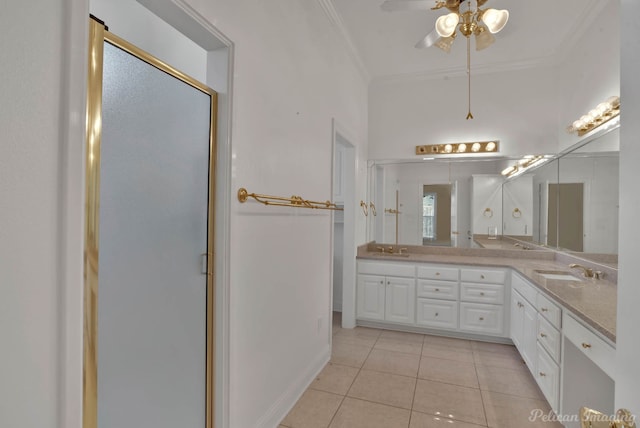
(562,323)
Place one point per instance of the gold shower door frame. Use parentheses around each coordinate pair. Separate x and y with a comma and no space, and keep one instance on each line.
(98,35)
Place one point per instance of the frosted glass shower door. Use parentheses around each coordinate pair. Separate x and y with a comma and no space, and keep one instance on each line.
(154,212)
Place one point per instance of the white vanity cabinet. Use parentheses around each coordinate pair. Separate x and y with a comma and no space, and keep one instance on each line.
(535,330)
(482,296)
(386,292)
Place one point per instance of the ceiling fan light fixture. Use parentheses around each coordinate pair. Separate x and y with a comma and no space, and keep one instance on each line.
(494,19)
(446,25)
(484,38)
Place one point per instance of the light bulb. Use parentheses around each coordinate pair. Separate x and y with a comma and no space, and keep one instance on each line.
(491,146)
(462,148)
(475,147)
(448,148)
(586,119)
(578,124)
(603,108)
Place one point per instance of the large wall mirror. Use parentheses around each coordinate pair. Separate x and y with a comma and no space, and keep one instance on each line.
(570,203)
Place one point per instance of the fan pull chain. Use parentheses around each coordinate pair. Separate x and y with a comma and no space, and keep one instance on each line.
(469,115)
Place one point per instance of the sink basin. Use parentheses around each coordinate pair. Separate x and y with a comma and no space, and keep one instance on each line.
(392,254)
(558,275)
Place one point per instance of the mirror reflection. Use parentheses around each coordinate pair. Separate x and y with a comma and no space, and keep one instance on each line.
(570,203)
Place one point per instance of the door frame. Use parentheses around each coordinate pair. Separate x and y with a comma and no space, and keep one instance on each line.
(98,36)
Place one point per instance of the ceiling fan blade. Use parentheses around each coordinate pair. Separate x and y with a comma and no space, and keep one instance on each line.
(395,5)
(428,40)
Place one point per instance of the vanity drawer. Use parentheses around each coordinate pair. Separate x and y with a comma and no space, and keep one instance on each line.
(387,269)
(548,377)
(549,310)
(600,352)
(438,272)
(549,337)
(482,293)
(527,290)
(481,318)
(438,289)
(437,313)
(485,276)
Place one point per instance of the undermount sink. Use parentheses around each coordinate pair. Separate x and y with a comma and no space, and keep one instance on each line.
(558,275)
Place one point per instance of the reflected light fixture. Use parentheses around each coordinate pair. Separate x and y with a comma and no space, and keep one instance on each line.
(458,148)
(480,23)
(601,114)
(524,164)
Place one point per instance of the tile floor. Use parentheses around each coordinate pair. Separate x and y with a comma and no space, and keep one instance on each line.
(387,379)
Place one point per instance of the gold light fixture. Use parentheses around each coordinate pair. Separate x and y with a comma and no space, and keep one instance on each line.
(458,148)
(600,115)
(480,23)
(527,162)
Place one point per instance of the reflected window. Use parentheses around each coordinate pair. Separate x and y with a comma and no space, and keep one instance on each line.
(429,201)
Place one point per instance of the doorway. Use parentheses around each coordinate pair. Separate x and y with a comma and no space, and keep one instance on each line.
(566,216)
(437,214)
(149,241)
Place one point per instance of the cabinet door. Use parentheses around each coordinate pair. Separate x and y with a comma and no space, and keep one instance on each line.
(437,313)
(529,336)
(400,300)
(482,318)
(547,375)
(517,319)
(370,297)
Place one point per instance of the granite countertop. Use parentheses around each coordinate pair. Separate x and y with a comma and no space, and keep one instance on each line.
(593,301)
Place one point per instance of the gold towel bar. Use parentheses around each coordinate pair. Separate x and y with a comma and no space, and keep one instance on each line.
(293,201)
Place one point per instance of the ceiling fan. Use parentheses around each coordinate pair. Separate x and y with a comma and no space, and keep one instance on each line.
(481,23)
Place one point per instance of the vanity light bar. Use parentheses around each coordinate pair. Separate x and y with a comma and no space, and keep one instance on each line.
(524,164)
(458,148)
(601,114)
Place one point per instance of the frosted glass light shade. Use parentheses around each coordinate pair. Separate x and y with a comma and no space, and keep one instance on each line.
(495,19)
(446,24)
(445,43)
(484,38)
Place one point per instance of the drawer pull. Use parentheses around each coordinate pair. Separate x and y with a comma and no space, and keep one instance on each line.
(481,318)
(482,276)
(388,282)
(437,289)
(543,335)
(586,345)
(543,374)
(437,273)
(544,309)
(482,293)
(520,305)
(436,314)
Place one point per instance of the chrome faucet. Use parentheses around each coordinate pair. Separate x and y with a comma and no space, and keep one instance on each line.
(586,272)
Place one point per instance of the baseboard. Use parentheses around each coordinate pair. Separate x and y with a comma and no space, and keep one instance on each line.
(286,401)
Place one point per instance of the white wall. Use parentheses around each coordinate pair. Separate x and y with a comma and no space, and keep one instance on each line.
(518,194)
(627,344)
(404,114)
(486,192)
(33,91)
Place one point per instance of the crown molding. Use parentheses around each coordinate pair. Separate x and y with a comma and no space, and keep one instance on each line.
(336,21)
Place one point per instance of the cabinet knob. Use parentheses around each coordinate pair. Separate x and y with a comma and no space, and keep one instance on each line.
(481,318)
(437,273)
(482,276)
(482,293)
(543,335)
(437,289)
(436,314)
(381,282)
(543,374)
(544,309)
(586,345)
(388,282)
(520,305)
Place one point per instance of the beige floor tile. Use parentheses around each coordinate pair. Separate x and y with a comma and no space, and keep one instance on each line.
(508,411)
(402,336)
(508,381)
(447,371)
(422,420)
(354,339)
(335,378)
(383,388)
(491,359)
(447,353)
(450,401)
(335,329)
(362,414)
(392,362)
(405,346)
(349,355)
(315,409)
(498,348)
(450,342)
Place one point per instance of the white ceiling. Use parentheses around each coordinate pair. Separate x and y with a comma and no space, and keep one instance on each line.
(538,32)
